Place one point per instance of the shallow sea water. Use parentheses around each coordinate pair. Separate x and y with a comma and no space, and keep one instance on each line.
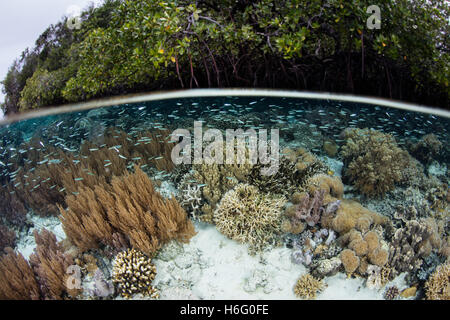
(211,265)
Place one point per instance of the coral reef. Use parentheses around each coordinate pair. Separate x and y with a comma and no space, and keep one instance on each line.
(366,253)
(133,273)
(373,162)
(246,215)
(307,287)
(426,149)
(295,168)
(351,215)
(215,180)
(128,208)
(409,245)
(438,285)
(310,247)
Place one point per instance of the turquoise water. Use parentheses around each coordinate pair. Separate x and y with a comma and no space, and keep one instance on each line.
(31,149)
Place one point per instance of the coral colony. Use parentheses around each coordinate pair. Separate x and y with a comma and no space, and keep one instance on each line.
(190,199)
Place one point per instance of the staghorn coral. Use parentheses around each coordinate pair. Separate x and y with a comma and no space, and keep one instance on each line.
(7,238)
(295,168)
(438,285)
(128,210)
(50,264)
(133,273)
(373,162)
(17,280)
(248,216)
(307,287)
(331,186)
(367,252)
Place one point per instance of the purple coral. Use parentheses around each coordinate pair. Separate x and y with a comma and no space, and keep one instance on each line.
(310,209)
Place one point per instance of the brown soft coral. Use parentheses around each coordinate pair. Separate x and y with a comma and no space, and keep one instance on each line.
(331,185)
(373,161)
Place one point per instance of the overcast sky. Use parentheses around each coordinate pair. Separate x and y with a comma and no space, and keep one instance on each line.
(22,21)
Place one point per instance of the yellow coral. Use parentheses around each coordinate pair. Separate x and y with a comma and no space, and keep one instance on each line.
(349,260)
(438,285)
(359,246)
(248,216)
(331,185)
(378,257)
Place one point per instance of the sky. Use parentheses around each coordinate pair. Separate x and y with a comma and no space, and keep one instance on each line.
(22,21)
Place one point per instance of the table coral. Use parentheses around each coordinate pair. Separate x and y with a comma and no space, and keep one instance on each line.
(133,273)
(246,215)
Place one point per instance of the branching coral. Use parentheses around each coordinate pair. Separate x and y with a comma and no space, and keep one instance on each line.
(373,161)
(7,238)
(438,285)
(190,198)
(307,287)
(17,280)
(133,273)
(129,206)
(409,245)
(248,216)
(426,149)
